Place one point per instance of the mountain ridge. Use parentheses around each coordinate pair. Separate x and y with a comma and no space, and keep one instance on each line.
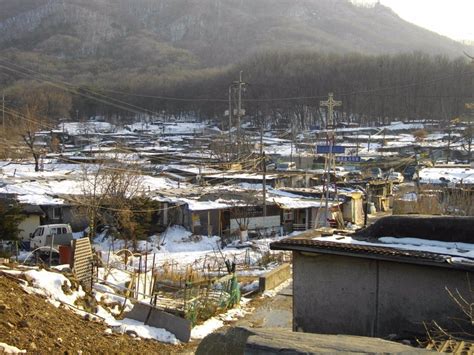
(208,33)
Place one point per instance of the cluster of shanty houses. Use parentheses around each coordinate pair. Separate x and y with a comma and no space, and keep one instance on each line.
(192,186)
(204,209)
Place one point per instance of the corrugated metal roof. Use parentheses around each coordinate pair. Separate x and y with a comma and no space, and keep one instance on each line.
(367,251)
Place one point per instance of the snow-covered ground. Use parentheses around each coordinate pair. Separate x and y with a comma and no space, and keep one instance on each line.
(177,247)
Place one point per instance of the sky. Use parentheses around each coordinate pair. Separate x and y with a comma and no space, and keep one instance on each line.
(451,18)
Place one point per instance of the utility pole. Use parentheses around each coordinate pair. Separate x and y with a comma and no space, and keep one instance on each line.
(470,106)
(291,143)
(236,86)
(240,85)
(331,140)
(357,146)
(230,117)
(264,190)
(239,105)
(448,152)
(3,114)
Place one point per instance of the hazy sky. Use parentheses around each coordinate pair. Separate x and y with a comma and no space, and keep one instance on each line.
(452,18)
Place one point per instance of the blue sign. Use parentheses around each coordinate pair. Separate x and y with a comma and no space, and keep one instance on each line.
(326,149)
(352,159)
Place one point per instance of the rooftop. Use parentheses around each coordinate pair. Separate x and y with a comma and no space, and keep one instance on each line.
(454,251)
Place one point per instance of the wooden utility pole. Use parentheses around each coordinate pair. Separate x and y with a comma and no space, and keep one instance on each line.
(240,112)
(239,104)
(331,140)
(3,115)
(236,87)
(230,116)
(448,152)
(264,191)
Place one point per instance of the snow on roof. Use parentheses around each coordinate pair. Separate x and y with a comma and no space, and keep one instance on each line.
(177,127)
(50,187)
(76,128)
(394,126)
(192,169)
(196,205)
(462,250)
(242,176)
(446,175)
(41,192)
(297,203)
(153,183)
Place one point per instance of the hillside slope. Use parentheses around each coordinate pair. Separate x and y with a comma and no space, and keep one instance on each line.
(30,322)
(205,33)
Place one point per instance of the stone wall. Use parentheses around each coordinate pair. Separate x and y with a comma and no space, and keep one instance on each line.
(274,278)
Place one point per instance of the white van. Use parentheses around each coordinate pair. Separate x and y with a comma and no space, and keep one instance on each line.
(58,234)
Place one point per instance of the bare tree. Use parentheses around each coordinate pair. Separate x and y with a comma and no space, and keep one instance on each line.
(26,127)
(467,140)
(111,194)
(420,135)
(241,212)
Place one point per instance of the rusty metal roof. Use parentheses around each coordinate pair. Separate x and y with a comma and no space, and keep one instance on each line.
(367,251)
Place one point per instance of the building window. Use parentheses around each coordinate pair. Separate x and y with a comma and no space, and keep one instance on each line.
(288,215)
(56,213)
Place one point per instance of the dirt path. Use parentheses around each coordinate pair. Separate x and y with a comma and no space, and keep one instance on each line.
(275,312)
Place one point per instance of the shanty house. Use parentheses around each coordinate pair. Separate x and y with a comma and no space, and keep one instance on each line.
(383,281)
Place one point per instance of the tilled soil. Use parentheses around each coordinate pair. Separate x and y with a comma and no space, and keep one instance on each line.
(30,322)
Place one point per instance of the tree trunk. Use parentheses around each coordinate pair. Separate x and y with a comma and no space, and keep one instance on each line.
(36,157)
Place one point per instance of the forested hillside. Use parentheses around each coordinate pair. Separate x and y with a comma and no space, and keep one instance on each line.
(142,53)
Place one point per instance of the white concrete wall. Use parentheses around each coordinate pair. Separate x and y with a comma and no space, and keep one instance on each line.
(258,222)
(27,226)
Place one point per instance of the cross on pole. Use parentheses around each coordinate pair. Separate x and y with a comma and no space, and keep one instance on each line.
(331,139)
(330,104)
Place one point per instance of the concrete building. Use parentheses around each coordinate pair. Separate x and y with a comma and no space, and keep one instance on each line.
(369,287)
(33,215)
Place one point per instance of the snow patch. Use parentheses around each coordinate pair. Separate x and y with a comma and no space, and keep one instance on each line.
(9,349)
(49,284)
(208,327)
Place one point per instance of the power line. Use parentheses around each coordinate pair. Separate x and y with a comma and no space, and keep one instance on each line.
(169,98)
(78,90)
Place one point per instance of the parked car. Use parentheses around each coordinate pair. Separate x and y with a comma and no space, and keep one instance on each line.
(55,234)
(375,173)
(396,177)
(286,166)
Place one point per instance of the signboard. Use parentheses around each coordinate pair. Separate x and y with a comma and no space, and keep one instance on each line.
(82,262)
(352,159)
(196,220)
(326,149)
(235,112)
